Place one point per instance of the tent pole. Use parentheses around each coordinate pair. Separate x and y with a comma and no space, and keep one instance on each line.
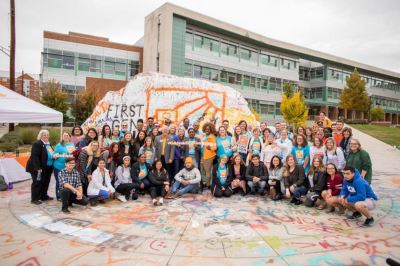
(61,131)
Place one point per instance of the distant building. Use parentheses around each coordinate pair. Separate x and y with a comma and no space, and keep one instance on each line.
(185,43)
(76,59)
(25,84)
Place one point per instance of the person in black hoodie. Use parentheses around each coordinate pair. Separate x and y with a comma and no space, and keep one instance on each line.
(40,166)
(159,186)
(126,147)
(140,173)
(316,181)
(137,144)
(221,185)
(294,179)
(237,171)
(257,176)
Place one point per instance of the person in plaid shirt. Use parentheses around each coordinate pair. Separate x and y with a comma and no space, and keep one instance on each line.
(71,186)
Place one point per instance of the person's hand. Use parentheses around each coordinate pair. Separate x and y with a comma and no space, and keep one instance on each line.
(170,161)
(89,178)
(184,182)
(208,147)
(166,183)
(273,182)
(292,187)
(111,194)
(142,185)
(341,200)
(256,179)
(166,187)
(79,195)
(287,193)
(223,189)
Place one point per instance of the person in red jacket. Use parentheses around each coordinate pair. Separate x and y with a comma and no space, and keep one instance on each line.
(334,185)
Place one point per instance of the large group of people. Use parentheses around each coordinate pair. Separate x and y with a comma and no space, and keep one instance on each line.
(321,166)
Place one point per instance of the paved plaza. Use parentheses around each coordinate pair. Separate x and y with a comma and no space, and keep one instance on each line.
(200,230)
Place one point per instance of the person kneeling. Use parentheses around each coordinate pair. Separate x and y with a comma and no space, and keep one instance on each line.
(100,187)
(123,181)
(159,180)
(257,176)
(221,185)
(294,179)
(356,196)
(71,185)
(187,180)
(316,183)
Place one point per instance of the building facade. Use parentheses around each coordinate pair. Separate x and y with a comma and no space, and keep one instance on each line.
(25,84)
(71,59)
(182,42)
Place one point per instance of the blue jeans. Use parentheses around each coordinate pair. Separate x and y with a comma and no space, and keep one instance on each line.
(178,165)
(58,189)
(191,188)
(102,193)
(299,191)
(260,185)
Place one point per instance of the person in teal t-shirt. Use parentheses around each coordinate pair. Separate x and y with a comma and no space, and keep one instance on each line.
(62,151)
(224,143)
(301,151)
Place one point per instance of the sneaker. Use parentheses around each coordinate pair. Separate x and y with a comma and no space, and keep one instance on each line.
(278,196)
(170,195)
(66,211)
(368,222)
(293,200)
(127,196)
(135,196)
(330,209)
(262,193)
(121,198)
(93,202)
(176,195)
(355,215)
(36,202)
(298,202)
(160,201)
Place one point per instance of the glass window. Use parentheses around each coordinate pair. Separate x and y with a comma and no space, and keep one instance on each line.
(189,39)
(224,76)
(120,69)
(253,82)
(54,51)
(188,70)
(109,67)
(244,54)
(197,71)
(83,64)
(198,41)
(84,56)
(214,74)
(205,73)
(239,79)
(231,78)
(264,84)
(254,57)
(54,61)
(133,67)
(95,66)
(68,62)
(246,81)
(272,84)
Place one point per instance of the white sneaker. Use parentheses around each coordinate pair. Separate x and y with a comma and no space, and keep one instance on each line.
(121,198)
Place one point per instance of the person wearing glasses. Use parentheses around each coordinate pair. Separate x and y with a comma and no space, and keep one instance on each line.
(360,160)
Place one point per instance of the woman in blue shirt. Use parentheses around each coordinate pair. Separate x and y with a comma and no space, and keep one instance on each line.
(224,143)
(62,151)
(301,151)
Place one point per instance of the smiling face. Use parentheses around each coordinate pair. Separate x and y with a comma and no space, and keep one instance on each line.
(127,161)
(238,160)
(330,169)
(290,161)
(142,158)
(329,144)
(128,137)
(224,160)
(66,137)
(192,133)
(102,164)
(92,134)
(222,132)
(158,165)
(238,130)
(275,161)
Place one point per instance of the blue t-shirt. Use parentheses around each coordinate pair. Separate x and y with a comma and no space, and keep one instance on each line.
(222,174)
(224,146)
(143,172)
(256,147)
(49,154)
(300,153)
(62,150)
(192,149)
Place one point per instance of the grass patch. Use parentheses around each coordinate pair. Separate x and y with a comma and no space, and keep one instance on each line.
(388,135)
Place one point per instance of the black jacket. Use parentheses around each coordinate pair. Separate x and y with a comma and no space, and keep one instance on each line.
(319,180)
(296,177)
(158,178)
(242,172)
(216,181)
(259,171)
(38,159)
(131,152)
(135,170)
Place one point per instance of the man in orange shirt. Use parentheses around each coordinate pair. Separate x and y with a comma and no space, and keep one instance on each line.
(337,135)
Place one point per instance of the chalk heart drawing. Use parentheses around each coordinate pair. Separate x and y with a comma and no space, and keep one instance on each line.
(164,96)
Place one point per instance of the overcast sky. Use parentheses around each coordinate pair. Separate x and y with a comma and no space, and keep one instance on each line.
(363,30)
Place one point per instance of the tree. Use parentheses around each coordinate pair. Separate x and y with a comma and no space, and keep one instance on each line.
(288,90)
(55,98)
(377,113)
(255,113)
(294,109)
(354,95)
(84,105)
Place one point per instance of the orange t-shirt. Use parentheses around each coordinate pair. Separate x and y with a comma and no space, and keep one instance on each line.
(208,154)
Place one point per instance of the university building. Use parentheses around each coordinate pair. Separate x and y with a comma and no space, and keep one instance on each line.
(25,84)
(78,61)
(185,43)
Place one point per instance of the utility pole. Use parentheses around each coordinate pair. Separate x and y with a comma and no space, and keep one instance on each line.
(12,51)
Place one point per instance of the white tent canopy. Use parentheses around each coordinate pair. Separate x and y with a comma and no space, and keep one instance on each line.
(15,108)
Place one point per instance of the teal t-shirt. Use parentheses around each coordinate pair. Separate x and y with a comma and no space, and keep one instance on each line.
(192,149)
(62,149)
(256,147)
(300,153)
(143,172)
(49,154)
(222,174)
(224,146)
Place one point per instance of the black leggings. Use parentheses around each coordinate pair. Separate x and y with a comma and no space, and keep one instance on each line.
(125,189)
(218,192)
(157,191)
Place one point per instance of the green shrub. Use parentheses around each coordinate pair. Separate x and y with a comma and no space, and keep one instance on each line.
(377,113)
(356,122)
(8,146)
(11,137)
(54,135)
(28,135)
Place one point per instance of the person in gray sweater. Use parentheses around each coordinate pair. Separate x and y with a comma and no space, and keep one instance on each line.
(187,180)
(256,176)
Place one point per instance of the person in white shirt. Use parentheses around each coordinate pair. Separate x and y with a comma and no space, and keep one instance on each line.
(317,149)
(100,184)
(285,144)
(270,150)
(334,154)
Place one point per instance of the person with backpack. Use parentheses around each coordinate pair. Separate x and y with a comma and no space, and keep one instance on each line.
(40,166)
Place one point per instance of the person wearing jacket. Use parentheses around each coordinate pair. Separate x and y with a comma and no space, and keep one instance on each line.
(62,151)
(179,156)
(345,142)
(193,147)
(165,151)
(40,166)
(237,171)
(316,181)
(137,144)
(275,181)
(221,185)
(294,179)
(356,196)
(140,173)
(256,176)
(100,187)
(126,147)
(123,181)
(360,160)
(187,180)
(159,186)
(334,186)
